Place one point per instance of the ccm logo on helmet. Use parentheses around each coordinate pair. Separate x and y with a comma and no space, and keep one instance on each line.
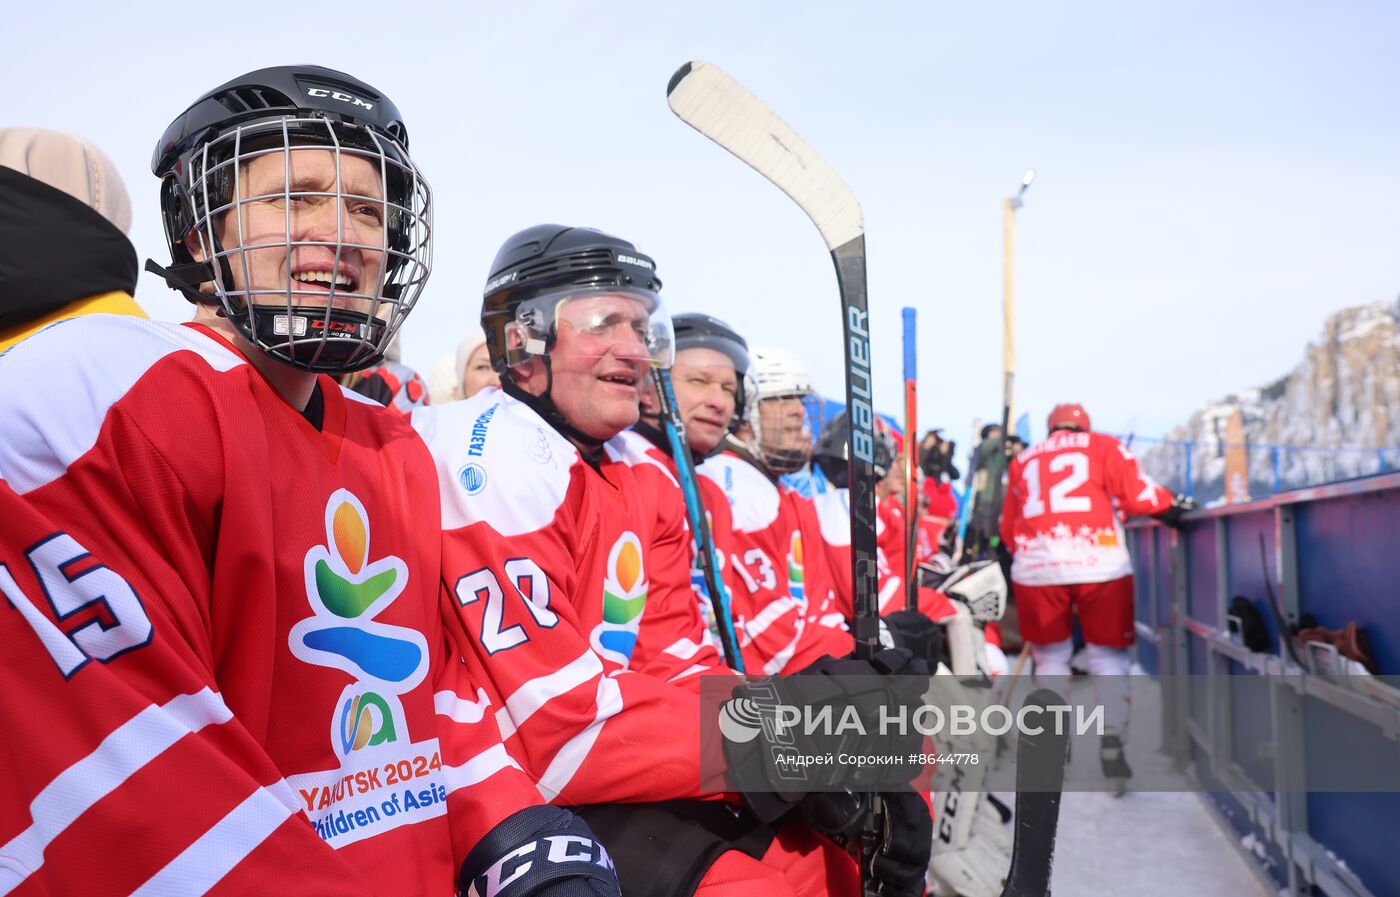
(337,95)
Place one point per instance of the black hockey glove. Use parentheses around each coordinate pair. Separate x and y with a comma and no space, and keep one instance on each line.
(901,858)
(898,866)
(836,814)
(539,851)
(915,633)
(1172,515)
(851,700)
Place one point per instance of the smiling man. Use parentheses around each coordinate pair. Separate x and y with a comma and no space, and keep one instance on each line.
(247,551)
(567,565)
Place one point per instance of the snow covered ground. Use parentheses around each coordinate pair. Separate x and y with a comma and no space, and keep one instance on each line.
(1145,844)
(1153,844)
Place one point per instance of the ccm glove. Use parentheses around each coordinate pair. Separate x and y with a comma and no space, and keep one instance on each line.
(539,851)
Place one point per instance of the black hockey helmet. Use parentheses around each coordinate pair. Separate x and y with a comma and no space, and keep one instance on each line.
(541,267)
(832,451)
(200,160)
(695,330)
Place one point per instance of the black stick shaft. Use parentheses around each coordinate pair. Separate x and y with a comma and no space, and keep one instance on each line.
(865,612)
(1040,777)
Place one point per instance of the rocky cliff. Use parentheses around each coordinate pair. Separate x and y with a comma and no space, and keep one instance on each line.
(1335,415)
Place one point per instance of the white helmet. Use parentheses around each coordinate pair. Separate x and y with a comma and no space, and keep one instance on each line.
(779,372)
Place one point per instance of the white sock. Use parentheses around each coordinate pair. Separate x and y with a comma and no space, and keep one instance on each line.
(1052,659)
(1109,667)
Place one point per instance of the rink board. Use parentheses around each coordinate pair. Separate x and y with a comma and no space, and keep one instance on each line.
(1331,552)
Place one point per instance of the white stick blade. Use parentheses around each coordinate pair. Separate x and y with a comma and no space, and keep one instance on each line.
(713,103)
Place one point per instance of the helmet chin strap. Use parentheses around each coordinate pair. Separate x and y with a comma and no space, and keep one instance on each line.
(543,405)
(185,279)
(746,451)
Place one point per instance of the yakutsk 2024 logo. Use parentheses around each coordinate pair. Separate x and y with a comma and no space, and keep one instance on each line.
(346,591)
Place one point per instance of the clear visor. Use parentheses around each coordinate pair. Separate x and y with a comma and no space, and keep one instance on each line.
(626,323)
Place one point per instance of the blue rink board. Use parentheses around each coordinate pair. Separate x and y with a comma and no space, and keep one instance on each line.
(1348,569)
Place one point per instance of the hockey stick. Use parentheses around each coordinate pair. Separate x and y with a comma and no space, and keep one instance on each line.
(1008,324)
(1040,778)
(1285,632)
(911,432)
(699,522)
(965,506)
(716,105)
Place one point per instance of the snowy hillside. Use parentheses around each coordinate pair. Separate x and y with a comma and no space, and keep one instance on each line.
(1344,393)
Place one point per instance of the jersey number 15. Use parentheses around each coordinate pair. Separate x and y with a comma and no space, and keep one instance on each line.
(69,593)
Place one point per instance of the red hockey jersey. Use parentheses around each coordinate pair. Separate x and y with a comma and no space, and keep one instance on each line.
(782,598)
(665,479)
(1058,518)
(554,566)
(261,600)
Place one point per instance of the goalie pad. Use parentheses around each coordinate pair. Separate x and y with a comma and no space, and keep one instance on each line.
(965,644)
(981,586)
(978,867)
(971,844)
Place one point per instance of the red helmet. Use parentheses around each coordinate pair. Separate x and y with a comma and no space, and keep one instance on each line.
(1068,415)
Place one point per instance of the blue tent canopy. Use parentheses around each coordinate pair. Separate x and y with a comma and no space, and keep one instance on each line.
(820,409)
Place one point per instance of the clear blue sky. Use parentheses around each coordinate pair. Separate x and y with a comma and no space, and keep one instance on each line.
(1214,178)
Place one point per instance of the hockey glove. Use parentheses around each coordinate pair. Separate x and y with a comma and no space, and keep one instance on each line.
(770,749)
(836,814)
(1172,515)
(898,866)
(915,633)
(539,851)
(887,688)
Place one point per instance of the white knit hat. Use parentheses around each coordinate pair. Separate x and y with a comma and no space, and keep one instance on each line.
(475,338)
(70,164)
(445,376)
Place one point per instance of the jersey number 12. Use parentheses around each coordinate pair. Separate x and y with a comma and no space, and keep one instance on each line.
(1061,502)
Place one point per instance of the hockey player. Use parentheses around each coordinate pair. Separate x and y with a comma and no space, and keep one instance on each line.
(1069,556)
(971,848)
(248,552)
(562,561)
(710,380)
(785,594)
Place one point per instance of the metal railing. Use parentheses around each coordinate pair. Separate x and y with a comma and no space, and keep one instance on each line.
(1273,467)
(1330,552)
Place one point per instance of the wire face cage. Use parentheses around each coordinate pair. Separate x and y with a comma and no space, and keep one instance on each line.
(318,234)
